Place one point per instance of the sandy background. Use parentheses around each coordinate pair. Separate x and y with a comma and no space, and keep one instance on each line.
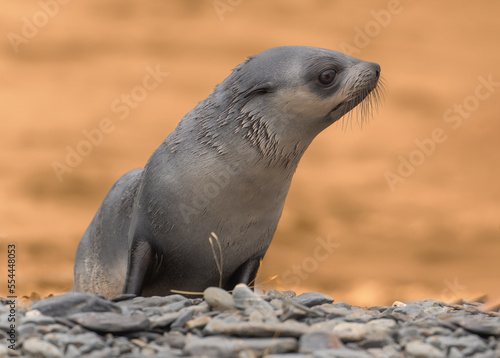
(435,235)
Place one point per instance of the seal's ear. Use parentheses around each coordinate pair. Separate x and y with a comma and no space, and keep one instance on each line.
(259,88)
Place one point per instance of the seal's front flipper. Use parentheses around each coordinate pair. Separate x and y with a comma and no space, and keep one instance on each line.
(246,273)
(139,262)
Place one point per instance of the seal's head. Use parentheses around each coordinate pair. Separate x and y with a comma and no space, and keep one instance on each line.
(282,98)
(305,86)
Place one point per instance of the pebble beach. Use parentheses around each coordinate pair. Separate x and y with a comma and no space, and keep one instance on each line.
(245,324)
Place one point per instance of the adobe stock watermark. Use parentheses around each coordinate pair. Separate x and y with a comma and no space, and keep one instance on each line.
(223,6)
(453,291)
(380,20)
(297,274)
(453,116)
(122,107)
(30,26)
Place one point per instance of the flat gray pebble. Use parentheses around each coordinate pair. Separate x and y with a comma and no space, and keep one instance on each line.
(219,299)
(420,349)
(179,323)
(111,321)
(41,320)
(226,347)
(311,299)
(37,347)
(154,301)
(256,329)
(350,331)
(340,353)
(244,297)
(313,341)
(74,302)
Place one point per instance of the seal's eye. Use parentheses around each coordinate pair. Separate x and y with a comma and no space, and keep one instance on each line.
(327,77)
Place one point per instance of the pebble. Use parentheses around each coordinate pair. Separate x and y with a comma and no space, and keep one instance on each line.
(74,302)
(38,347)
(311,299)
(245,324)
(244,297)
(218,299)
(420,349)
(229,347)
(111,322)
(340,353)
(314,341)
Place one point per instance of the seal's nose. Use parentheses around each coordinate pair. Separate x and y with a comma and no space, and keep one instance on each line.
(376,68)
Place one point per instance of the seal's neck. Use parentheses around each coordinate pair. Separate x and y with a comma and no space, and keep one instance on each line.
(264,137)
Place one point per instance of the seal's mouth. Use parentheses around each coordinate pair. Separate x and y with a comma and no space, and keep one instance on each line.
(365,100)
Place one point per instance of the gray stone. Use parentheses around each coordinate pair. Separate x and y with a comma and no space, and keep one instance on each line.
(455,353)
(72,352)
(311,299)
(155,301)
(481,325)
(86,342)
(350,331)
(53,328)
(377,339)
(179,323)
(420,349)
(74,302)
(476,347)
(486,355)
(388,351)
(111,322)
(295,310)
(122,345)
(379,333)
(103,353)
(261,315)
(198,322)
(326,326)
(340,353)
(334,310)
(382,324)
(445,342)
(229,347)
(37,347)
(254,315)
(313,341)
(244,297)
(4,323)
(176,306)
(277,304)
(411,311)
(278,295)
(164,320)
(39,320)
(76,329)
(173,339)
(256,329)
(360,315)
(3,350)
(26,330)
(219,299)
(408,334)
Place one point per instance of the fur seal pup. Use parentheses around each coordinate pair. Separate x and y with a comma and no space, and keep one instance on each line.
(226,169)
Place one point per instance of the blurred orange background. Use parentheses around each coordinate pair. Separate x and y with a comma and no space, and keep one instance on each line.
(405,208)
